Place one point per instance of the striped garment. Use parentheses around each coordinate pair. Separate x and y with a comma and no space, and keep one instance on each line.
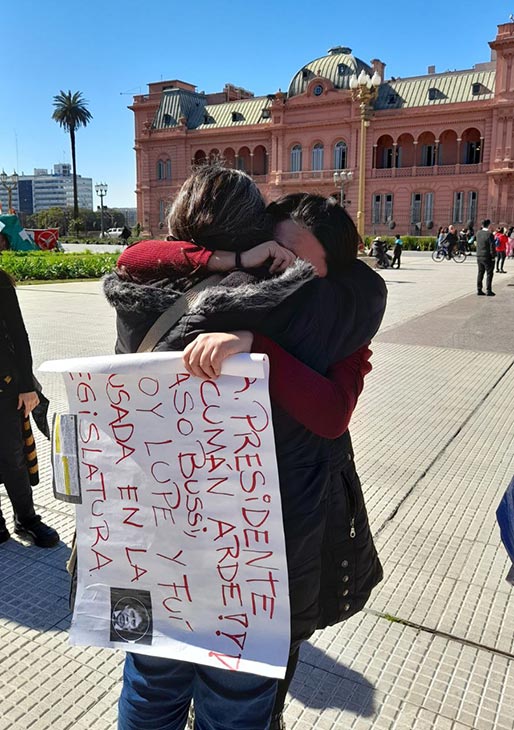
(28,438)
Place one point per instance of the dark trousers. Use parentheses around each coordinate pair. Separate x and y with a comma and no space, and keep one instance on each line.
(157,692)
(283,684)
(485,267)
(13,464)
(500,260)
(396,260)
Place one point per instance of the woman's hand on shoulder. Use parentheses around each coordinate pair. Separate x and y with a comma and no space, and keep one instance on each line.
(204,356)
(27,402)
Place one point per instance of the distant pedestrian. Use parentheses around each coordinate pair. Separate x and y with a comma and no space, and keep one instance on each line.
(486,253)
(501,239)
(397,252)
(463,240)
(440,236)
(510,242)
(379,252)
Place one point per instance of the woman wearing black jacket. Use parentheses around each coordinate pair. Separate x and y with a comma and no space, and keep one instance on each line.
(17,400)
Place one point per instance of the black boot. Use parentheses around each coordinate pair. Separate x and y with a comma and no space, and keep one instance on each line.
(42,535)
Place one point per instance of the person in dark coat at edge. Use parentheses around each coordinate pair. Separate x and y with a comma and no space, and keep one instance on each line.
(316,320)
(486,254)
(18,398)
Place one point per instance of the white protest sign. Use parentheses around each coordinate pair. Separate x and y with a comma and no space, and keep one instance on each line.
(181,549)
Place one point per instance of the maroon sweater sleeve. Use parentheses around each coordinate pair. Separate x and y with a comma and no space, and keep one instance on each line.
(324,405)
(149,260)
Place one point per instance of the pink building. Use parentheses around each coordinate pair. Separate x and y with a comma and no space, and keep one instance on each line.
(439,148)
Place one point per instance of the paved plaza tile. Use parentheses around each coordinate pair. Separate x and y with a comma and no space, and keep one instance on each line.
(434,442)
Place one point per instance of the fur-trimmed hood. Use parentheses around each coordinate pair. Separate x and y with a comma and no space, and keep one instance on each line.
(238,290)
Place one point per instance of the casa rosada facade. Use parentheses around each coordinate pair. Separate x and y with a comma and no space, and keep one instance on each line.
(438,148)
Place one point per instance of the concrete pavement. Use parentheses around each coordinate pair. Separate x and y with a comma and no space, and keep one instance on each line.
(433,436)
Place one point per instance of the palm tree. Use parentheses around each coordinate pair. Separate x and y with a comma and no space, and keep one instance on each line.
(71,113)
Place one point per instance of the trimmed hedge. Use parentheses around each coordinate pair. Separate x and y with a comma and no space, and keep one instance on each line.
(88,241)
(410,243)
(43,265)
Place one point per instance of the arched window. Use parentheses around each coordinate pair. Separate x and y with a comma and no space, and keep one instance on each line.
(340,155)
(317,156)
(296,158)
(160,170)
(168,169)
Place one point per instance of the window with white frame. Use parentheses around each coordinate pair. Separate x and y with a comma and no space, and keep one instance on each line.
(340,156)
(415,208)
(317,157)
(388,207)
(168,169)
(458,207)
(160,170)
(382,208)
(296,158)
(376,209)
(428,207)
(472,205)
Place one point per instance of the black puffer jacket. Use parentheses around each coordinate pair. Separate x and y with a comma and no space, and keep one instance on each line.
(319,321)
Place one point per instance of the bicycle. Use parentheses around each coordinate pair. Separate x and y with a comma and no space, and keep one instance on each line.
(441,253)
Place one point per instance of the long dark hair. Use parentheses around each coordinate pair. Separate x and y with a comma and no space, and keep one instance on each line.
(219,208)
(6,279)
(326,220)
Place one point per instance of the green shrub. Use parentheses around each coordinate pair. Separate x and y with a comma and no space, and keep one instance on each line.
(43,265)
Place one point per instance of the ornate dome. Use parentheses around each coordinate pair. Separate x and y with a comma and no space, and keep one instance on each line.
(338,65)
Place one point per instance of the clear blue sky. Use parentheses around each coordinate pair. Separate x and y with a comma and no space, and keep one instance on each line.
(109,52)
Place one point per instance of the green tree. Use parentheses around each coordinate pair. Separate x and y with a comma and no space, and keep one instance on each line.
(71,113)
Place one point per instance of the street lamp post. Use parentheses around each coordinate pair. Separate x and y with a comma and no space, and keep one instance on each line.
(9,182)
(101,190)
(364,89)
(342,178)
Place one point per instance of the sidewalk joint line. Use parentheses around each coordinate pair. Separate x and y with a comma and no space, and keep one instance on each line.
(437,632)
(443,448)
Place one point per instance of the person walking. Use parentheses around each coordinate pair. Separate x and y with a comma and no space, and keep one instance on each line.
(501,240)
(18,399)
(486,253)
(397,252)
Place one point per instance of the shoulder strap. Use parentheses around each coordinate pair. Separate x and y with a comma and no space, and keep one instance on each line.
(173,314)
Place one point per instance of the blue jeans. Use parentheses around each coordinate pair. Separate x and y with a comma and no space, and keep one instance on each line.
(157,692)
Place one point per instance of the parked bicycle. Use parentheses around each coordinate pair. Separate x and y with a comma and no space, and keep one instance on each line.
(441,253)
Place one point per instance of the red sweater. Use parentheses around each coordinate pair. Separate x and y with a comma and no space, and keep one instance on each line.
(324,405)
(501,242)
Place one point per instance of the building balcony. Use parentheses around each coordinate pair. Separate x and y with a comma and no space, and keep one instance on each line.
(424,171)
(325,176)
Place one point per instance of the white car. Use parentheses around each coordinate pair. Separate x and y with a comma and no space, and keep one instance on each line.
(114,232)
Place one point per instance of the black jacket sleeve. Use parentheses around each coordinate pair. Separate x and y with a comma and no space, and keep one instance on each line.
(15,347)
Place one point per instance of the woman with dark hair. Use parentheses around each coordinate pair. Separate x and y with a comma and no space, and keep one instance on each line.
(332,561)
(18,399)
